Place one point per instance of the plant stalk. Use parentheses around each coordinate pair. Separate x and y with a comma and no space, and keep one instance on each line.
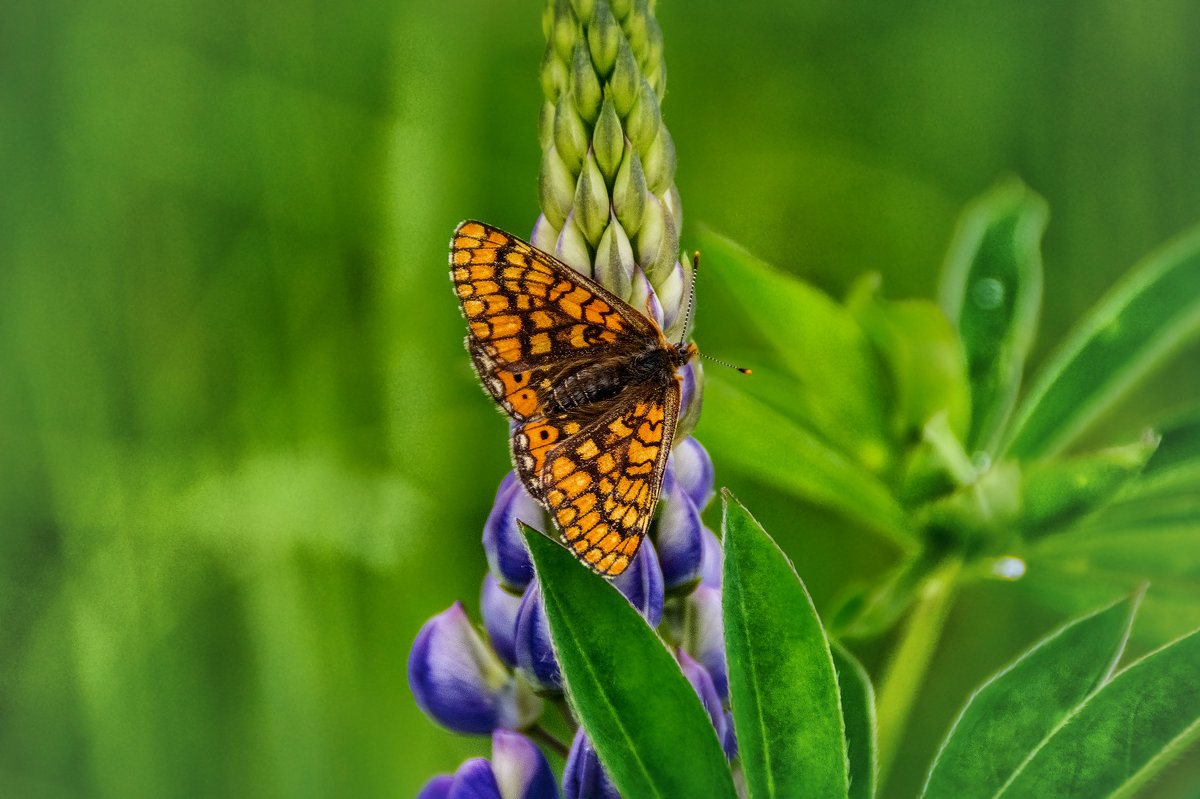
(909,663)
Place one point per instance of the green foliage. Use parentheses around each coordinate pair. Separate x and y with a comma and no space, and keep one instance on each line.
(610,657)
(783,688)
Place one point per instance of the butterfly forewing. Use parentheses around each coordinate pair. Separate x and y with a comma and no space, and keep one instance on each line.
(554,350)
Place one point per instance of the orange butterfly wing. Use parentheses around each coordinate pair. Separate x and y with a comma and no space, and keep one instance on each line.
(532,320)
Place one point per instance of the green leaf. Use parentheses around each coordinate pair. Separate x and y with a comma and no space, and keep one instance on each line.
(641,714)
(783,690)
(858,710)
(836,384)
(1013,712)
(924,356)
(1123,734)
(991,290)
(1175,465)
(1056,493)
(1142,320)
(746,433)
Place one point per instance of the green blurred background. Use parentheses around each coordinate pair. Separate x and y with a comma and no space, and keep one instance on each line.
(242,453)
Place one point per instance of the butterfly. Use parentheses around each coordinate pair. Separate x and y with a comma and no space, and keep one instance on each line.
(587,380)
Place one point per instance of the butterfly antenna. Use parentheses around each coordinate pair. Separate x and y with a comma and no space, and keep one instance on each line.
(687,319)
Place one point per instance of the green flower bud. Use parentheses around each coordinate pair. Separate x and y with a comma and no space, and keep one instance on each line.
(656,66)
(562,36)
(570,136)
(585,86)
(644,120)
(591,201)
(608,141)
(621,8)
(660,162)
(556,188)
(572,248)
(553,75)
(626,81)
(583,8)
(635,29)
(629,193)
(604,38)
(614,262)
(650,237)
(546,126)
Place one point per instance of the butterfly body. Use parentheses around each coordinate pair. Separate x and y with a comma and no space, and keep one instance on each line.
(588,381)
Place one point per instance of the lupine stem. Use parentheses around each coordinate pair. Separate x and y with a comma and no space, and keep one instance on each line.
(542,736)
(910,660)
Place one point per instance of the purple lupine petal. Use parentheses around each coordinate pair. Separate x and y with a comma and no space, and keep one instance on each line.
(507,556)
(702,683)
(455,678)
(704,637)
(475,780)
(689,392)
(679,540)
(499,610)
(642,584)
(710,568)
(693,469)
(643,298)
(520,767)
(437,788)
(535,654)
(584,777)
(729,743)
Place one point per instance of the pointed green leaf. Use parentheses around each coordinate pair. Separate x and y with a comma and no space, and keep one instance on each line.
(924,356)
(1123,734)
(836,384)
(783,690)
(1013,712)
(1056,493)
(1175,465)
(782,453)
(991,290)
(1149,314)
(858,710)
(640,712)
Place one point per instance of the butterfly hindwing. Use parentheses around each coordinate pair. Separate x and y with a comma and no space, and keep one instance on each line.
(601,482)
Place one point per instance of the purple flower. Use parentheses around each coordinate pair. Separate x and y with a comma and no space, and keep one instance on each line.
(518,771)
(460,683)
(535,654)
(642,584)
(710,567)
(679,539)
(584,777)
(499,610)
(702,683)
(691,466)
(703,637)
(502,543)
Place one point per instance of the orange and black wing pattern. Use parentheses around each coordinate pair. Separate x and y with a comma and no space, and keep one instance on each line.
(601,481)
(533,319)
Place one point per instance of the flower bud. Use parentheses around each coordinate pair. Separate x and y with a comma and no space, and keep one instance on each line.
(584,777)
(437,788)
(702,684)
(679,540)
(604,35)
(592,208)
(507,557)
(642,584)
(572,248)
(626,79)
(585,86)
(614,262)
(535,652)
(499,610)
(570,136)
(704,636)
(608,142)
(629,193)
(520,767)
(460,683)
(475,779)
(691,466)
(556,188)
